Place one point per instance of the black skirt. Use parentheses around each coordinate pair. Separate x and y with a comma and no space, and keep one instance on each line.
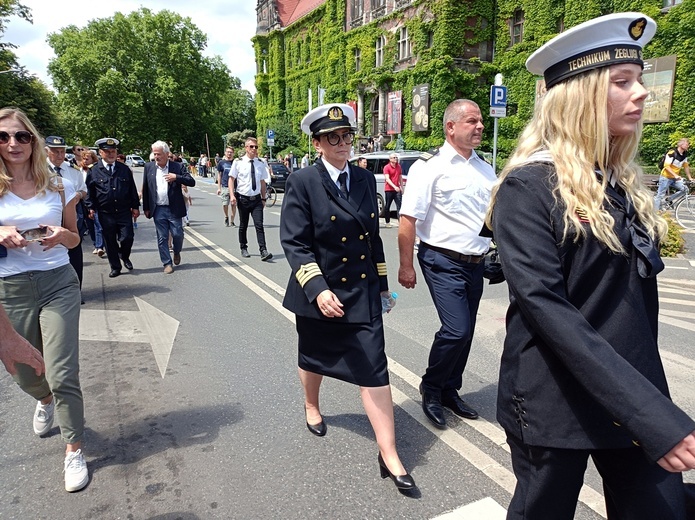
(351,352)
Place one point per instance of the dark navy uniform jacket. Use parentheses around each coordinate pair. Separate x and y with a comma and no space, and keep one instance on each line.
(581,367)
(115,195)
(332,243)
(177,205)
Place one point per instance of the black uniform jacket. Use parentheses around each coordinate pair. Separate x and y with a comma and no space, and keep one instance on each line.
(113,195)
(177,205)
(332,243)
(580,367)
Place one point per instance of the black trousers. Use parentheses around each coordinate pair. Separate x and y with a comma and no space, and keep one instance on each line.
(115,229)
(549,480)
(392,196)
(254,208)
(77,260)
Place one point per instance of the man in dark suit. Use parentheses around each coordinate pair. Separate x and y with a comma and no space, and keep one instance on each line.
(112,193)
(162,198)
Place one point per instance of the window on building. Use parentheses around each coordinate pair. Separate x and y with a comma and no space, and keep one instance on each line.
(356,9)
(516,27)
(671,3)
(403,44)
(358,59)
(380,44)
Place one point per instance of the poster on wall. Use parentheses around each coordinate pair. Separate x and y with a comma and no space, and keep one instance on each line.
(421,108)
(394,117)
(658,77)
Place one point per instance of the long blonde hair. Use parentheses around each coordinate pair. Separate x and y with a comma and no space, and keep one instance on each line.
(571,123)
(39,164)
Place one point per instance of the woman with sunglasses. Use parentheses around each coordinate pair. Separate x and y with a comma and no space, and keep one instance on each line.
(39,288)
(580,374)
(330,233)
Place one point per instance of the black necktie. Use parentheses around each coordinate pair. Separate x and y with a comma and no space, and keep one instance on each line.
(57,170)
(111,169)
(342,180)
(253,177)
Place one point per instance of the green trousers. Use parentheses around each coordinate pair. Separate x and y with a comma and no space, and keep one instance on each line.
(44,307)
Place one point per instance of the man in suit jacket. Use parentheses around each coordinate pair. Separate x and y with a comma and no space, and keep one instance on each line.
(162,198)
(112,193)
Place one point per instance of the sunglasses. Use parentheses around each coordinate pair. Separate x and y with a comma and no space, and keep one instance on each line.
(334,139)
(22,137)
(254,146)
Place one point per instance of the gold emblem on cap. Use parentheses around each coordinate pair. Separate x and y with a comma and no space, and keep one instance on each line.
(110,141)
(335,114)
(636,28)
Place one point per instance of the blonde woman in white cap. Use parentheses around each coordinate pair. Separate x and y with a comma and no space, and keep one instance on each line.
(330,233)
(581,374)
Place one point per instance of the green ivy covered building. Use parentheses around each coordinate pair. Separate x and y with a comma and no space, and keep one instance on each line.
(400,62)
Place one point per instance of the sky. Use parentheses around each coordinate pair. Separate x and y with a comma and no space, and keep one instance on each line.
(229,25)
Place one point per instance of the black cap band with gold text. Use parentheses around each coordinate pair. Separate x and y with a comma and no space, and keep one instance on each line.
(592,59)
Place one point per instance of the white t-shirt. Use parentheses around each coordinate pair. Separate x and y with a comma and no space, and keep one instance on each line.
(448,195)
(45,208)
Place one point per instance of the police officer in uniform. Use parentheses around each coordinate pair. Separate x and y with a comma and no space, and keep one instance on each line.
(330,233)
(445,205)
(112,192)
(580,374)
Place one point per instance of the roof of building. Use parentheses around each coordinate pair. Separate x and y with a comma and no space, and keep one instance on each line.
(290,11)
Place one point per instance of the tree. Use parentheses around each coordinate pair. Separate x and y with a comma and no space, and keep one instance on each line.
(142,77)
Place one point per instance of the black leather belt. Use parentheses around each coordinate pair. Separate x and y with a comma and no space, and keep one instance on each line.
(252,197)
(471,259)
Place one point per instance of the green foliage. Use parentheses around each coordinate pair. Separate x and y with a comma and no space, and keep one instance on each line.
(237,139)
(142,77)
(674,243)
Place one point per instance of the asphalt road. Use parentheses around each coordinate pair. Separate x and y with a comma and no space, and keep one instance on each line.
(194,408)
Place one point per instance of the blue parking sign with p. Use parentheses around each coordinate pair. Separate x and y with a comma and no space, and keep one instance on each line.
(271,134)
(498,96)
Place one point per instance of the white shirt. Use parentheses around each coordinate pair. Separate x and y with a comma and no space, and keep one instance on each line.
(335,172)
(73,175)
(241,171)
(45,208)
(448,195)
(162,185)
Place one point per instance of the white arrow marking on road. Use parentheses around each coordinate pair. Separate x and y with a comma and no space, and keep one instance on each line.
(148,325)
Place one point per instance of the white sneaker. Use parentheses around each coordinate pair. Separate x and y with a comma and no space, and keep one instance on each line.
(76,474)
(43,417)
(95,252)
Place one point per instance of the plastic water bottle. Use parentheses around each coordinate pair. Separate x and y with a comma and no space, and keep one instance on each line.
(388,301)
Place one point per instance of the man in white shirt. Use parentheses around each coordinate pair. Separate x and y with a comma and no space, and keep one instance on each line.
(55,151)
(445,205)
(248,178)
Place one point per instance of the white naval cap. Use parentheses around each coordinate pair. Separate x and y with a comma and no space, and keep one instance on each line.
(327,118)
(601,42)
(107,143)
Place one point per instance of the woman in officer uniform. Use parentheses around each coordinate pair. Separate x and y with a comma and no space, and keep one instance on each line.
(581,374)
(330,233)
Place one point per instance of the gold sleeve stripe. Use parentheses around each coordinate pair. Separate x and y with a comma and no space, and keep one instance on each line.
(307,272)
(381,268)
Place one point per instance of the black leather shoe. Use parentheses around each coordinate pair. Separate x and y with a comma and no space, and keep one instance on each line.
(265,255)
(319,429)
(401,481)
(459,407)
(128,265)
(245,253)
(432,407)
(114,273)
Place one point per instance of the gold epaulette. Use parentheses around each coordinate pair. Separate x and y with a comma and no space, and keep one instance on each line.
(381,268)
(307,272)
(426,156)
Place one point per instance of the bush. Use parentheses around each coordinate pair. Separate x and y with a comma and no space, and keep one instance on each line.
(674,243)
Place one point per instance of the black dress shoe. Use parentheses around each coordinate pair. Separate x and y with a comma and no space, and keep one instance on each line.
(401,481)
(319,429)
(432,406)
(245,253)
(114,273)
(128,265)
(265,255)
(459,407)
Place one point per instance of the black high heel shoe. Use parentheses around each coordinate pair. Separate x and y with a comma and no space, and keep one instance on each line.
(401,481)
(319,429)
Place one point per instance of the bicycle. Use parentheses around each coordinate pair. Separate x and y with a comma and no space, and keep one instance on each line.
(683,206)
(271,196)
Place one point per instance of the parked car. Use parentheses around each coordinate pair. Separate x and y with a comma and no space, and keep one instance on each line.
(375,164)
(278,175)
(134,160)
